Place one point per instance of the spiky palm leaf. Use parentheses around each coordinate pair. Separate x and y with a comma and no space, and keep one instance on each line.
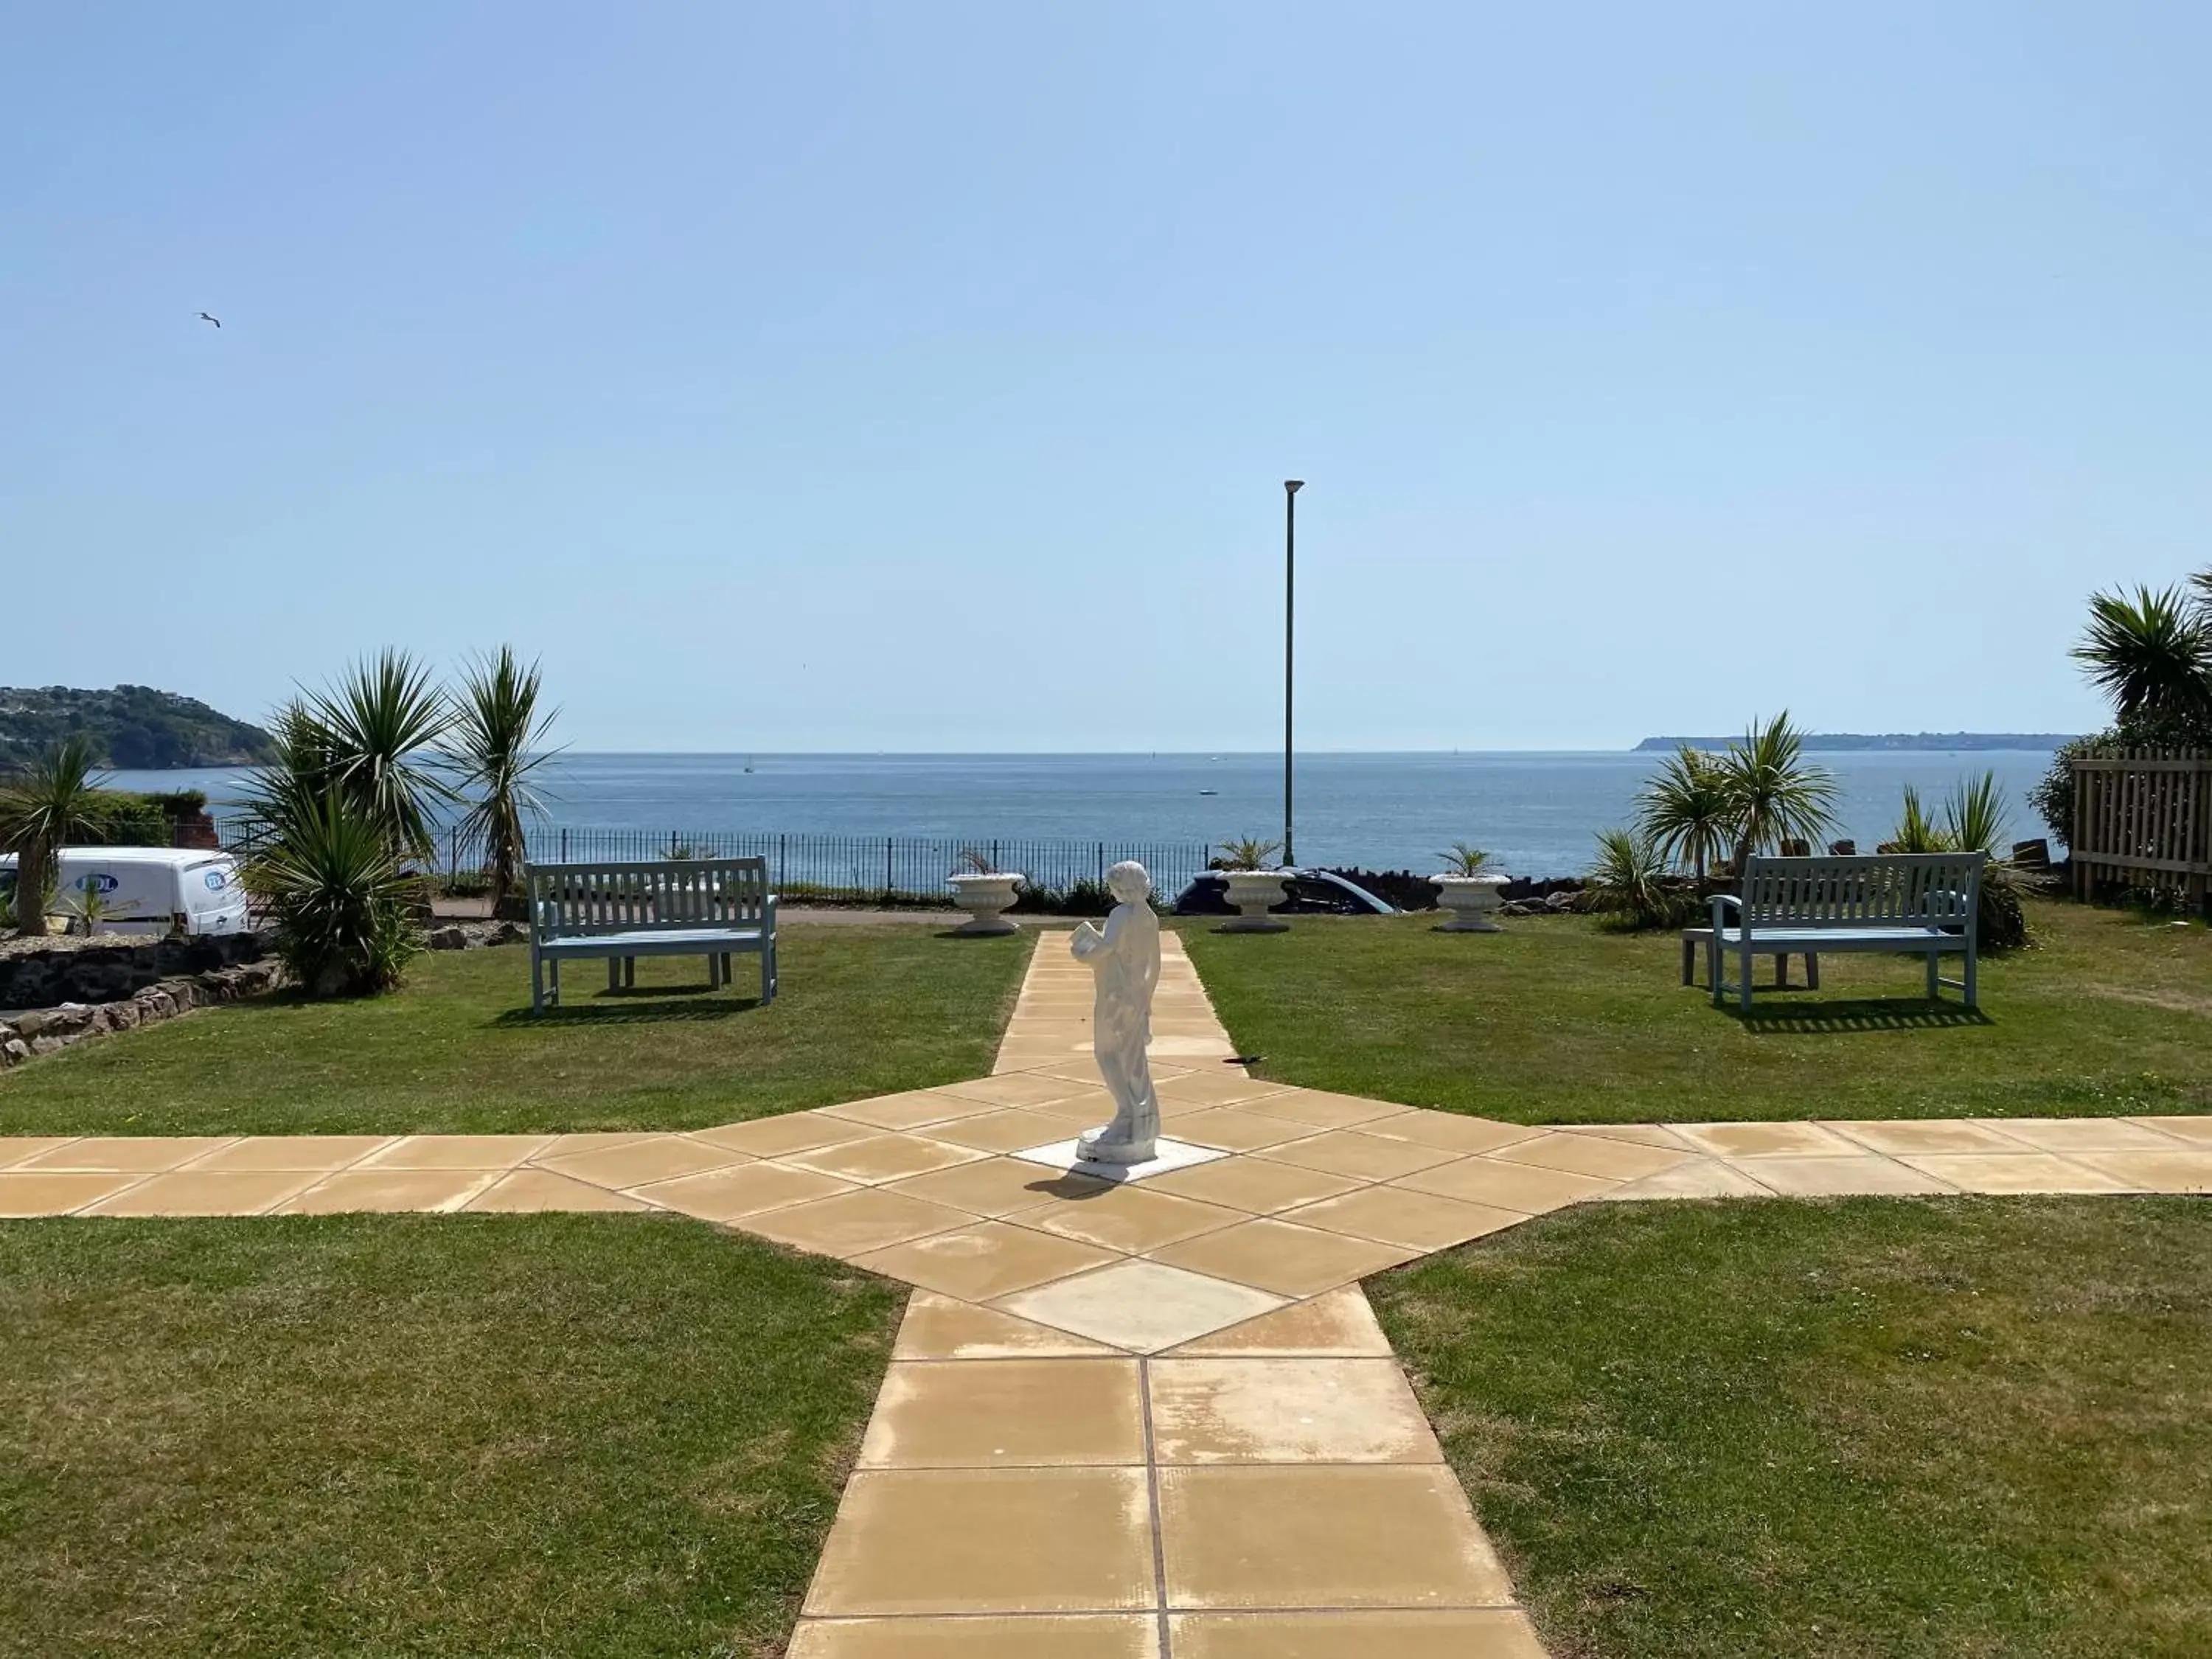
(1247,854)
(494,749)
(1628,881)
(1773,793)
(1976,817)
(40,811)
(1465,859)
(380,722)
(1916,831)
(2150,654)
(1686,810)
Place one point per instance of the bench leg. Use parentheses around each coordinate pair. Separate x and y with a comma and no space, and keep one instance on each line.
(629,973)
(1689,962)
(537,983)
(714,973)
(1971,1001)
(1743,984)
(1781,970)
(1812,971)
(553,981)
(1935,990)
(614,973)
(1713,967)
(768,973)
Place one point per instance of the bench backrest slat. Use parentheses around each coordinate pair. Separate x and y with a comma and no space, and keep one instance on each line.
(1894,890)
(572,901)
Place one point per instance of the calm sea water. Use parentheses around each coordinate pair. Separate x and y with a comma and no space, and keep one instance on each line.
(1536,812)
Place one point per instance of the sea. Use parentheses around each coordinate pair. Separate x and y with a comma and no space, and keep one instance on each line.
(1536,813)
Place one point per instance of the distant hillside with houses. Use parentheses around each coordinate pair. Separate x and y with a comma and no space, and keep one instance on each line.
(134,728)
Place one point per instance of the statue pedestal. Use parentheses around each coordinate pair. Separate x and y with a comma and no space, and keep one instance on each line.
(1167,1155)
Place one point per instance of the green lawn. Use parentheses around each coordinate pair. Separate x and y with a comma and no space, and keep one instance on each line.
(1559,1021)
(605,1435)
(1950,1430)
(860,1011)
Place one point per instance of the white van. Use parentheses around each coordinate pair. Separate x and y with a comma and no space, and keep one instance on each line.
(150,890)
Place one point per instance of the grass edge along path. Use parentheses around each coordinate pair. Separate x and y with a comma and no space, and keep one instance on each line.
(609,1435)
(860,1011)
(1923,1429)
(1557,1020)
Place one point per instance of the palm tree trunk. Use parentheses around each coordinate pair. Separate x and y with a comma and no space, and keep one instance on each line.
(31,880)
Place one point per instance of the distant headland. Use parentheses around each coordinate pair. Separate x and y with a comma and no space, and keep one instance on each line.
(133,726)
(1932,742)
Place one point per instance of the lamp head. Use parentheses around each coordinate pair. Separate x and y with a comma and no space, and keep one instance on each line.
(1294,485)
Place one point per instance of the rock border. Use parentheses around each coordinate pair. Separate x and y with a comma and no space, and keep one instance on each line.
(48,1030)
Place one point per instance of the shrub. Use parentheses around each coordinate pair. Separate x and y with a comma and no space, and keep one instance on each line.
(1245,854)
(1464,859)
(1629,884)
(342,906)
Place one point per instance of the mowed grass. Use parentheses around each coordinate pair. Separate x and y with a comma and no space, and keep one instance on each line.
(1948,1429)
(858,1012)
(1559,1021)
(604,1436)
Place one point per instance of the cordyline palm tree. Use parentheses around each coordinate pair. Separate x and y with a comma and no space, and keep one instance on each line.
(495,744)
(2152,654)
(376,728)
(40,811)
(1772,795)
(1685,809)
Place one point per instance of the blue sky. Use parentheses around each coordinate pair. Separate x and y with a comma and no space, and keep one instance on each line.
(832,376)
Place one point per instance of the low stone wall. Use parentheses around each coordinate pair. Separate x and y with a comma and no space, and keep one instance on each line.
(44,1031)
(112,967)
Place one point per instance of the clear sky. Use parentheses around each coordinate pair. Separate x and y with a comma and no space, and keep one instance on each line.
(923,376)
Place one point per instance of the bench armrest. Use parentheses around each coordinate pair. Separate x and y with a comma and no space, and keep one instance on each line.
(1720,920)
(768,913)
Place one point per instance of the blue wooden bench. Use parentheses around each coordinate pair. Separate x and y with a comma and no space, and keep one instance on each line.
(710,907)
(1906,903)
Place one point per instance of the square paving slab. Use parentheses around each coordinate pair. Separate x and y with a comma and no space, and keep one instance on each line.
(852,1223)
(746,1189)
(988,1540)
(1276,1256)
(1142,1306)
(1360,1156)
(881,1157)
(944,1328)
(43,1192)
(1336,1324)
(1123,1637)
(217,1192)
(775,1137)
(985,1260)
(1006,1414)
(1470,1633)
(1237,1409)
(996,1187)
(1288,1537)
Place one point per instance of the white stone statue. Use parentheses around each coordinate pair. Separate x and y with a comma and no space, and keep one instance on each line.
(1125,958)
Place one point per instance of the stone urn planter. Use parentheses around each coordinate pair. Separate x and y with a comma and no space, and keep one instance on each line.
(986,897)
(1252,891)
(1470,899)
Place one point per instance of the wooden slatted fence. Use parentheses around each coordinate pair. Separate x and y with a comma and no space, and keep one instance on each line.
(2143,817)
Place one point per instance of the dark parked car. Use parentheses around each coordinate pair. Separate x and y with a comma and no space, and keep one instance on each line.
(1312,893)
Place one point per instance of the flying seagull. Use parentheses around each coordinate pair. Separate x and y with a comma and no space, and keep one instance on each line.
(204,318)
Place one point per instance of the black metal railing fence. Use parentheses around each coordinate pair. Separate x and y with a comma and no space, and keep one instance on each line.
(846,865)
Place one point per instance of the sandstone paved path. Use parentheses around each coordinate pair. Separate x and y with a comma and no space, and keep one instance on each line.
(1156,1420)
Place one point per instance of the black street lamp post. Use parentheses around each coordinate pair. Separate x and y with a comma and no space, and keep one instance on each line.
(1290,488)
